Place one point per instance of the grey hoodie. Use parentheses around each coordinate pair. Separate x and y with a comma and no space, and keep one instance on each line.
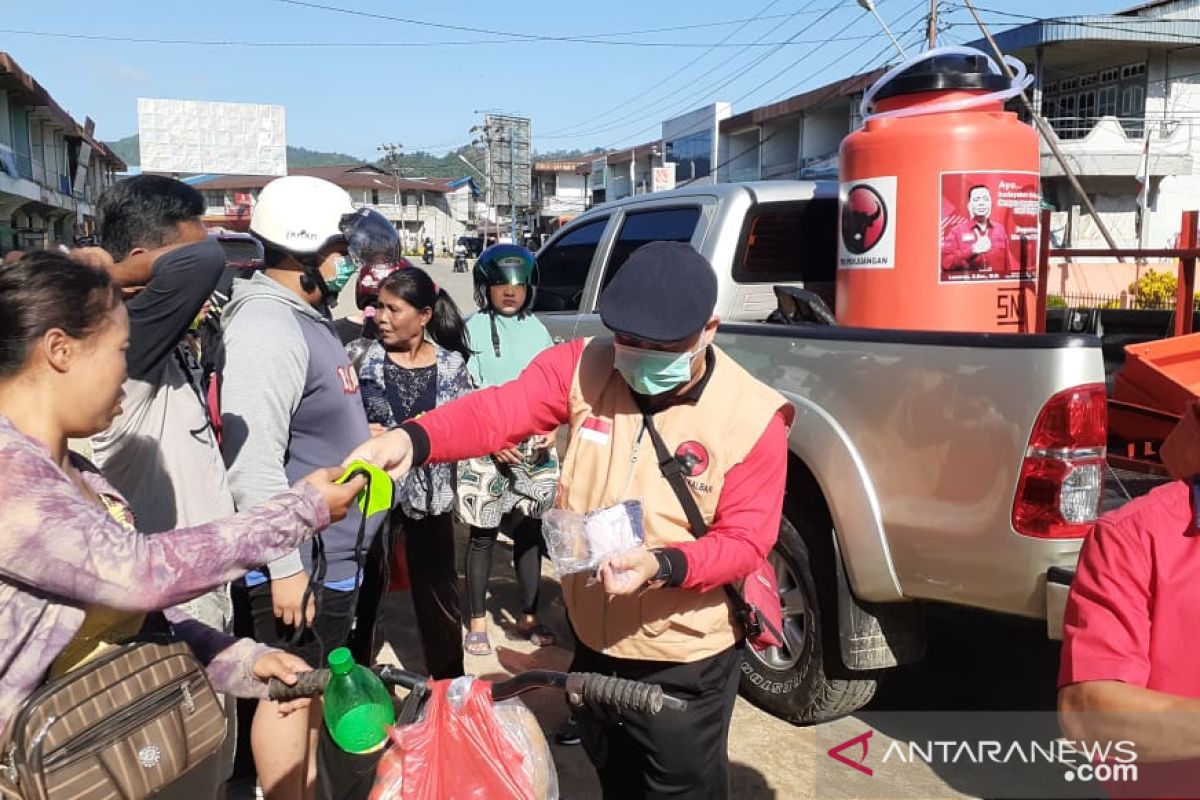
(289,405)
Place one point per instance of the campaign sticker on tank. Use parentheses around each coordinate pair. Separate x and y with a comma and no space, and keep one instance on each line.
(868,229)
(989,226)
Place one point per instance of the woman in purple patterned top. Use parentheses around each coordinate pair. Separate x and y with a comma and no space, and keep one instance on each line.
(64,550)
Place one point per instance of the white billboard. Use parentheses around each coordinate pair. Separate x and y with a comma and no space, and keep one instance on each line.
(194,136)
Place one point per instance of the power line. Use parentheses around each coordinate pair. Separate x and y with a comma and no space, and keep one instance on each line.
(691,98)
(919,4)
(831,93)
(362,44)
(666,80)
(515,35)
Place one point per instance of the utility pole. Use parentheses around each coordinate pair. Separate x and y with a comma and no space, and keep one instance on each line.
(392,153)
(931,34)
(512,172)
(1048,134)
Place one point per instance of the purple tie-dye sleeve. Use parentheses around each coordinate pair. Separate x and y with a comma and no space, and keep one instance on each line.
(57,543)
(228,660)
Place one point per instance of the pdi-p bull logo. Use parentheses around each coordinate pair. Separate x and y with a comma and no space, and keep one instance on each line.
(864,219)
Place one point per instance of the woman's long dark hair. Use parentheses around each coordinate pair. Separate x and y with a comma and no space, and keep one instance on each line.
(47,290)
(415,287)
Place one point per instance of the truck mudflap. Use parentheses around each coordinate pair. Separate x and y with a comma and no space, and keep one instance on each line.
(1058,585)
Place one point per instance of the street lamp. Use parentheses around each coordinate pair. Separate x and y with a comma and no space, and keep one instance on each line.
(869,5)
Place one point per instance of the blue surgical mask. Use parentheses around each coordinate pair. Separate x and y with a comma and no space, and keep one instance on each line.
(345,271)
(652,372)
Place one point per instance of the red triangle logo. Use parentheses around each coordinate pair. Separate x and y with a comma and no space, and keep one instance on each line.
(835,752)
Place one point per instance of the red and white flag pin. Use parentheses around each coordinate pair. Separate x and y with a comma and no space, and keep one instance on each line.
(596,430)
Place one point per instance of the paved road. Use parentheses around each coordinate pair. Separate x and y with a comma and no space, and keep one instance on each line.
(975,662)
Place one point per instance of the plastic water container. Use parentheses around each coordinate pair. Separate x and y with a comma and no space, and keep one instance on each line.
(358,707)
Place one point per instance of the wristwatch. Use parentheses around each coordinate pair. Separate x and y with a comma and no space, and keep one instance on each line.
(664,567)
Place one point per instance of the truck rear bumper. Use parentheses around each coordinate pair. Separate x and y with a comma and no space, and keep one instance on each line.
(1058,584)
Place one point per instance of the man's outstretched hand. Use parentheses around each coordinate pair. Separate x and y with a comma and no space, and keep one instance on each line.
(391,451)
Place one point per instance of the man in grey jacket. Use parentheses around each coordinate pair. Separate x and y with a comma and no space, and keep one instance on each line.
(289,401)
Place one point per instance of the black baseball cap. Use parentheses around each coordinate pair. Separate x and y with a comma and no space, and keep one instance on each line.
(664,293)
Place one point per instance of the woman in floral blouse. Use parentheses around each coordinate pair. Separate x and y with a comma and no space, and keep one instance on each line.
(75,575)
(417,364)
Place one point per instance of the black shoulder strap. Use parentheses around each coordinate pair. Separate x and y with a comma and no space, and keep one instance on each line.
(672,470)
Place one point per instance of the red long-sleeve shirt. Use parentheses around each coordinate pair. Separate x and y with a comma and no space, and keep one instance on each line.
(746,522)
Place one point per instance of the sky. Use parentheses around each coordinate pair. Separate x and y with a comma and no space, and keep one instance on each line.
(587,74)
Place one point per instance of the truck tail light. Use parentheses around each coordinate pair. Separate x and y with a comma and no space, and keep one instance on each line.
(1062,477)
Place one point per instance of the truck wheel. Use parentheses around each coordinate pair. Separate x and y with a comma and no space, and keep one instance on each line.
(804,681)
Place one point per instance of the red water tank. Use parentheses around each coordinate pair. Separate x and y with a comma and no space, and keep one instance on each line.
(940,194)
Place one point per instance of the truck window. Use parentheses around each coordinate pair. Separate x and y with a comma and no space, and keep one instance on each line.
(789,243)
(563,267)
(660,225)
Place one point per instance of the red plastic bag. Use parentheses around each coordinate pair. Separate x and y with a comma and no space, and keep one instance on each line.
(461,753)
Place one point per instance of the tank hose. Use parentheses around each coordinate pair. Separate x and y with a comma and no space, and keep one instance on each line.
(1020,82)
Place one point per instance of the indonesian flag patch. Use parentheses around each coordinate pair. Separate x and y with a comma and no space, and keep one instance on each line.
(596,430)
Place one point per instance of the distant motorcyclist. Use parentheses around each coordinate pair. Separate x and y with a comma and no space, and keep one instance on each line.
(427,251)
(460,256)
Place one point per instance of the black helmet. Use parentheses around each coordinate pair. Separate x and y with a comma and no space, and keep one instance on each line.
(505,265)
(371,238)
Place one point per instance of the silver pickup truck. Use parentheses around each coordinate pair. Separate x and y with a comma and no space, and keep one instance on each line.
(956,468)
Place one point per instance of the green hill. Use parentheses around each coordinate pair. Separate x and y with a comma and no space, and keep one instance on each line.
(127,150)
(419,164)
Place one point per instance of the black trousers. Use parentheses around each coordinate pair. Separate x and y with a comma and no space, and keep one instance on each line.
(433,572)
(527,544)
(670,754)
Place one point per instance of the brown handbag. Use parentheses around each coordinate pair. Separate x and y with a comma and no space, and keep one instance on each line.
(140,721)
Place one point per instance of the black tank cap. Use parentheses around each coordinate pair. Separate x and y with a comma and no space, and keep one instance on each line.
(942,73)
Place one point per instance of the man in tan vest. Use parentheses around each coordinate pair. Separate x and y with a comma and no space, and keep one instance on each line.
(658,614)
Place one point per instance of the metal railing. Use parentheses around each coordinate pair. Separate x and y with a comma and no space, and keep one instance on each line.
(1186,253)
(1134,128)
(1124,300)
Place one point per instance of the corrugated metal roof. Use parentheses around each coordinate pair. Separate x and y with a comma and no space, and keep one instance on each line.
(1099,28)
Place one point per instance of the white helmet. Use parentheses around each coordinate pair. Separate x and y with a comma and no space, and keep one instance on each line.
(300,214)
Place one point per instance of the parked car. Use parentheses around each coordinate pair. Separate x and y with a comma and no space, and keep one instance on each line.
(924,467)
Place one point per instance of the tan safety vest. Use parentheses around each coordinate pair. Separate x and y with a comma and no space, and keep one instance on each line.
(610,459)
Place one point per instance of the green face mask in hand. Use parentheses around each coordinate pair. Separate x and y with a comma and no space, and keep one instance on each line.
(652,372)
(345,271)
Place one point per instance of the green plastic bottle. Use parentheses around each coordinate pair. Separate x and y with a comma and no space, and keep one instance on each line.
(358,707)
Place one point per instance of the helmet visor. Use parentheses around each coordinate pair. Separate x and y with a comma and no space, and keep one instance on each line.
(511,270)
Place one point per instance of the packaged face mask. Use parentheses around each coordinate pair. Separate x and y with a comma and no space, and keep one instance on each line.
(581,542)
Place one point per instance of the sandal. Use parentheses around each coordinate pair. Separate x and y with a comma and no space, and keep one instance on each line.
(477,644)
(539,635)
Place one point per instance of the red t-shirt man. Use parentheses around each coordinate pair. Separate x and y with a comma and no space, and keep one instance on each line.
(1130,669)
(977,245)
